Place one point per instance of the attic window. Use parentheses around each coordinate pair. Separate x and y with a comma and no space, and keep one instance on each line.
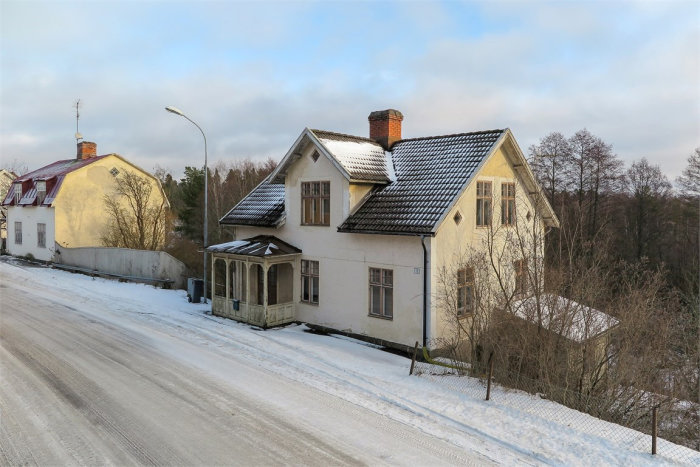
(114,171)
(18,192)
(40,191)
(529,216)
(457,218)
(315,155)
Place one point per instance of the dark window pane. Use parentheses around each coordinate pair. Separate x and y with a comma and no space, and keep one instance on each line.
(314,290)
(388,302)
(375,299)
(388,277)
(305,288)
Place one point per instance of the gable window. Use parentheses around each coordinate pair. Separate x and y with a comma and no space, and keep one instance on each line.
(521,285)
(465,291)
(483,204)
(18,192)
(41,235)
(18,233)
(309,281)
(316,203)
(40,192)
(507,203)
(457,218)
(381,292)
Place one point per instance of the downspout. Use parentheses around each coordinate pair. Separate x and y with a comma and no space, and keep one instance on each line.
(425,291)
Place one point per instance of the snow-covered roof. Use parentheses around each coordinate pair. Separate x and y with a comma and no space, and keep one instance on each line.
(565,317)
(262,207)
(261,246)
(362,158)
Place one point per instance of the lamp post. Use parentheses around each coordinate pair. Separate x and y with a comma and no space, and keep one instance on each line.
(177,111)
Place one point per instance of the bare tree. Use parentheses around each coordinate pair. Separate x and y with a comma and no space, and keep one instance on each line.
(649,188)
(689,181)
(138,217)
(548,161)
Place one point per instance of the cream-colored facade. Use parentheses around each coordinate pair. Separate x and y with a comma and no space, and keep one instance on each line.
(76,217)
(345,258)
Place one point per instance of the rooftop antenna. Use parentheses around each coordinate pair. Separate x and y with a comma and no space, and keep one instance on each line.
(78,136)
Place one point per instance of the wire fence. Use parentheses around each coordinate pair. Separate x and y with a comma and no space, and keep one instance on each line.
(664,427)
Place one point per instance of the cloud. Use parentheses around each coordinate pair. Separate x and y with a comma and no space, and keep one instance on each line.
(254,75)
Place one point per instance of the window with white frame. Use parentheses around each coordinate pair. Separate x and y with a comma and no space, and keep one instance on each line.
(18,192)
(40,192)
(41,235)
(18,233)
(507,203)
(381,292)
(465,291)
(316,203)
(309,281)
(483,204)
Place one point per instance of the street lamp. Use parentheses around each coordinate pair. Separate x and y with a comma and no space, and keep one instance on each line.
(177,111)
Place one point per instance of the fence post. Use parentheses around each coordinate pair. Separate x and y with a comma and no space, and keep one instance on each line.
(413,361)
(653,429)
(488,382)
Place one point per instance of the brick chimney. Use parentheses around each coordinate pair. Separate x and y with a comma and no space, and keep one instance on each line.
(385,127)
(87,150)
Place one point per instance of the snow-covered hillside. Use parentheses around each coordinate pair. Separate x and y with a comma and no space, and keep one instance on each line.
(353,371)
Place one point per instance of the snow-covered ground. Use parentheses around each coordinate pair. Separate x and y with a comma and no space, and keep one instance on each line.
(349,370)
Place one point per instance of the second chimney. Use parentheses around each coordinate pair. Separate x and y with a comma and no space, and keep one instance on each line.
(87,150)
(385,127)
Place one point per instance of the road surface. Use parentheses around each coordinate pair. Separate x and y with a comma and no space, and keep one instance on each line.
(78,388)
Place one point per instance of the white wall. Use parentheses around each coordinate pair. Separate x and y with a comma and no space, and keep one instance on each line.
(344,262)
(126,262)
(30,216)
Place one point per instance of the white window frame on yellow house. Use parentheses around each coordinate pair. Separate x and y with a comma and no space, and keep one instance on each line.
(507,203)
(484,203)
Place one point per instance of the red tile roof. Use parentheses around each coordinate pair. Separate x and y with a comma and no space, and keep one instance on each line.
(57,170)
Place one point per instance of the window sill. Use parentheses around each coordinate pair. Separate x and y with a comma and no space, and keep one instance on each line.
(303,302)
(387,318)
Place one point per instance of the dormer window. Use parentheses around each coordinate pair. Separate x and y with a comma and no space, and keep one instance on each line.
(40,192)
(18,192)
(315,203)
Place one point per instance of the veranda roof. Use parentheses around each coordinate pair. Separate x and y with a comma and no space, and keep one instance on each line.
(262,246)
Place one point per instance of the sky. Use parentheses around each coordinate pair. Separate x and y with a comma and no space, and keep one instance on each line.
(253,75)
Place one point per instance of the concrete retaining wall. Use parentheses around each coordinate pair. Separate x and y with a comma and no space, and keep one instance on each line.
(127,262)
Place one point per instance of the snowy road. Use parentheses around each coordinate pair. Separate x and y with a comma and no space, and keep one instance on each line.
(87,385)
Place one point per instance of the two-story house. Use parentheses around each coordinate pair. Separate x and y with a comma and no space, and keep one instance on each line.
(63,203)
(350,233)
(6,178)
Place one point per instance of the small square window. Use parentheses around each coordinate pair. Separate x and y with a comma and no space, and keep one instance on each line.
(315,156)
(457,218)
(114,171)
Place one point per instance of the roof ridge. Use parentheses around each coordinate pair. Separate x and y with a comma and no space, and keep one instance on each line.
(481,132)
(335,133)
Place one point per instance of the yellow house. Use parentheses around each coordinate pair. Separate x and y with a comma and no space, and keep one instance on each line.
(6,178)
(350,233)
(63,203)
